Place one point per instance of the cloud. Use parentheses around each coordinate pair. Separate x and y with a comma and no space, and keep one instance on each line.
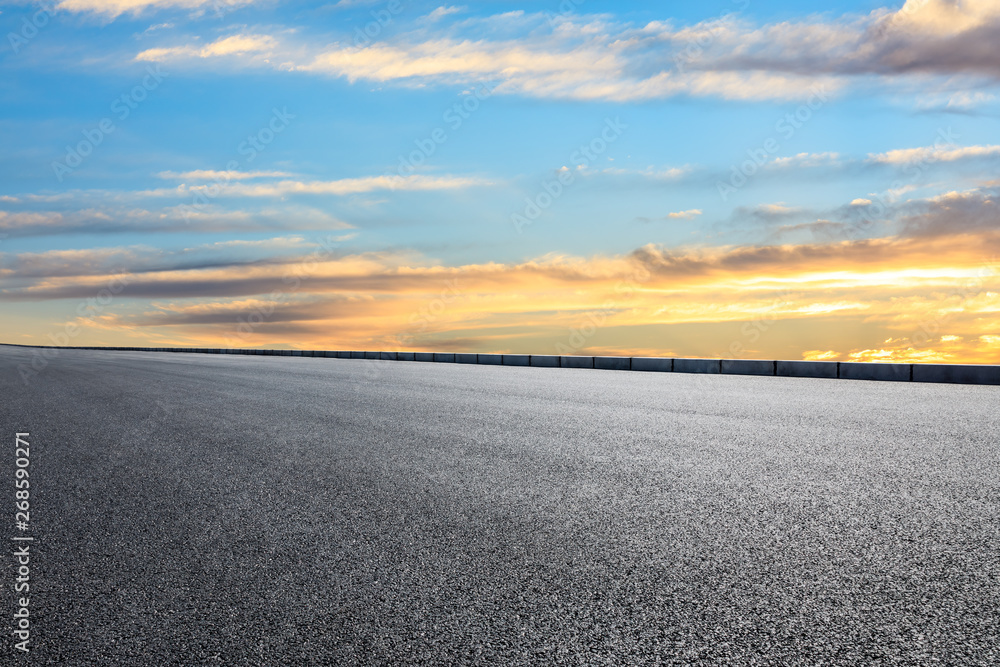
(868,264)
(61,263)
(198,193)
(944,17)
(586,61)
(599,58)
(226,46)
(952,213)
(112,9)
(652,173)
(690,214)
(443,11)
(375,299)
(917,349)
(937,37)
(461,60)
(348,186)
(828,162)
(270,244)
(764,215)
(289,309)
(587,71)
(949,153)
(142,259)
(172,219)
(158,26)
(961,102)
(966,100)
(822,293)
(779,209)
(685,215)
(347,4)
(805,160)
(212,175)
(238,44)
(14,220)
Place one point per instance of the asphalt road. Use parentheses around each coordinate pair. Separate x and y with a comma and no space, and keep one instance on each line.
(203,509)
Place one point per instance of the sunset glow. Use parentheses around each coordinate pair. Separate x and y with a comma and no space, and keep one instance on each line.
(731,179)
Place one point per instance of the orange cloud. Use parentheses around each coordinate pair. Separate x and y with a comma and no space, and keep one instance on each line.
(918,299)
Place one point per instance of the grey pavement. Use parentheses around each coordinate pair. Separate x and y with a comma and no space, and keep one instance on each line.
(240,510)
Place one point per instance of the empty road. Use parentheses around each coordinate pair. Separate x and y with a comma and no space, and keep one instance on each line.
(235,510)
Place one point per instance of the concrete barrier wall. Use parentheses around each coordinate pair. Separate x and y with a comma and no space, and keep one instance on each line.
(613,363)
(869,371)
(653,364)
(947,373)
(577,362)
(748,367)
(956,374)
(698,366)
(808,369)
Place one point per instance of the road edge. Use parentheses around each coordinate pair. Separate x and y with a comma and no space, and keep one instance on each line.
(975,374)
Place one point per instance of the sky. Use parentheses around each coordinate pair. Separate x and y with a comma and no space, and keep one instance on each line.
(728,178)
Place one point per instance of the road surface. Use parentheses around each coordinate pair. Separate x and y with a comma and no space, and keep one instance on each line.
(204,509)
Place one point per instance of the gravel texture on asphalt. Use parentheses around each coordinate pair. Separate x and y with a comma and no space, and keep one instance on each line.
(203,509)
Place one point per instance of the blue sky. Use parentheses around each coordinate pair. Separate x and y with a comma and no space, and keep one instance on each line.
(228,141)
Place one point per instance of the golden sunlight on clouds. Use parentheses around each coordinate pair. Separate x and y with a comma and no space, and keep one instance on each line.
(944,350)
(945,17)
(764,302)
